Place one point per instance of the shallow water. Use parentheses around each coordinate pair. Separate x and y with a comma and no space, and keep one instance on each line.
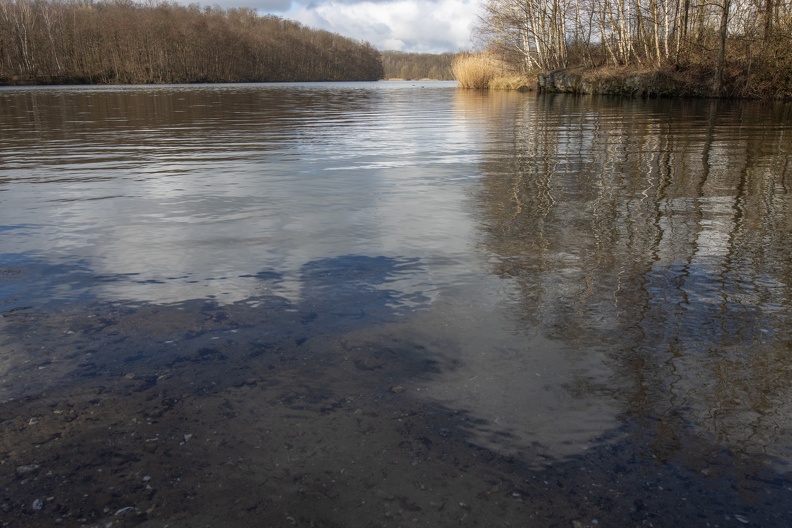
(581,305)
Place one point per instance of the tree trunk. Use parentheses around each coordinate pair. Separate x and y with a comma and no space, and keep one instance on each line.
(717,82)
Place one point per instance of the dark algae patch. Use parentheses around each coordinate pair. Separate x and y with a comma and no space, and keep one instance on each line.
(257,414)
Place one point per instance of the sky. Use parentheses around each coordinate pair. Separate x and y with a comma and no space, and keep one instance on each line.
(422,26)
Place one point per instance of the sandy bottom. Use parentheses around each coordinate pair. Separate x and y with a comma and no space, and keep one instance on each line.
(199,415)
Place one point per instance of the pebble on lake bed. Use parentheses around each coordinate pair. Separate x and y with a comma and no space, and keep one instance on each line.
(24,470)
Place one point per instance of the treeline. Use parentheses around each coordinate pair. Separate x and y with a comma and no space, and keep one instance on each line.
(413,66)
(744,45)
(121,41)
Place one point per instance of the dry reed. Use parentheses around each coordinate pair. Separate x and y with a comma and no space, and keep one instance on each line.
(520,83)
(475,70)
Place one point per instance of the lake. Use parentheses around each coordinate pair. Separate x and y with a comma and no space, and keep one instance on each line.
(393,304)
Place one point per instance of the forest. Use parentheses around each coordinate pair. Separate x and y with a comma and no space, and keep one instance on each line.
(415,66)
(736,47)
(121,41)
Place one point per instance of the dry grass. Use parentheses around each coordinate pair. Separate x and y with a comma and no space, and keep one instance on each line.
(611,73)
(520,83)
(746,75)
(476,70)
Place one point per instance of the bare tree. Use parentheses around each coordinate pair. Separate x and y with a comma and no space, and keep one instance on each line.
(752,37)
(122,41)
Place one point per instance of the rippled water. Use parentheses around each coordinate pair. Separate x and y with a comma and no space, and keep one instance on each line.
(197,190)
(578,273)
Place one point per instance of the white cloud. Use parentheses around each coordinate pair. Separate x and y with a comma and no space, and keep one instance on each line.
(427,26)
(266,6)
(405,25)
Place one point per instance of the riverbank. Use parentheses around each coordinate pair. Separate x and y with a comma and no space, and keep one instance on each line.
(657,82)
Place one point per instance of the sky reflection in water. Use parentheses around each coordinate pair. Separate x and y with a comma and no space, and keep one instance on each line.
(579,267)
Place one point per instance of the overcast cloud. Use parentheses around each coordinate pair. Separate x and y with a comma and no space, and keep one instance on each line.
(426,26)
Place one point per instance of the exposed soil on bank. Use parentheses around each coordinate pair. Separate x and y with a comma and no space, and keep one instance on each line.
(657,82)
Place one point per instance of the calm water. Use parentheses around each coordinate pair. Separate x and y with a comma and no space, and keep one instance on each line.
(584,274)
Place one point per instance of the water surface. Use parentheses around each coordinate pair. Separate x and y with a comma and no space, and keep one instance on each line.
(581,303)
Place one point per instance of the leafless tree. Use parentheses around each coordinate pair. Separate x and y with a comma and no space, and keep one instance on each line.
(122,41)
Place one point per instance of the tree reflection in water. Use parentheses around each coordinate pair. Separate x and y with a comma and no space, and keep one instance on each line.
(662,232)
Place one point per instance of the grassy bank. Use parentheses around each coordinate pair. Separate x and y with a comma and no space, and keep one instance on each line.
(482,71)
(662,82)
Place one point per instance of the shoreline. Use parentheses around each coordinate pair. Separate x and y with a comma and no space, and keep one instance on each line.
(652,82)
